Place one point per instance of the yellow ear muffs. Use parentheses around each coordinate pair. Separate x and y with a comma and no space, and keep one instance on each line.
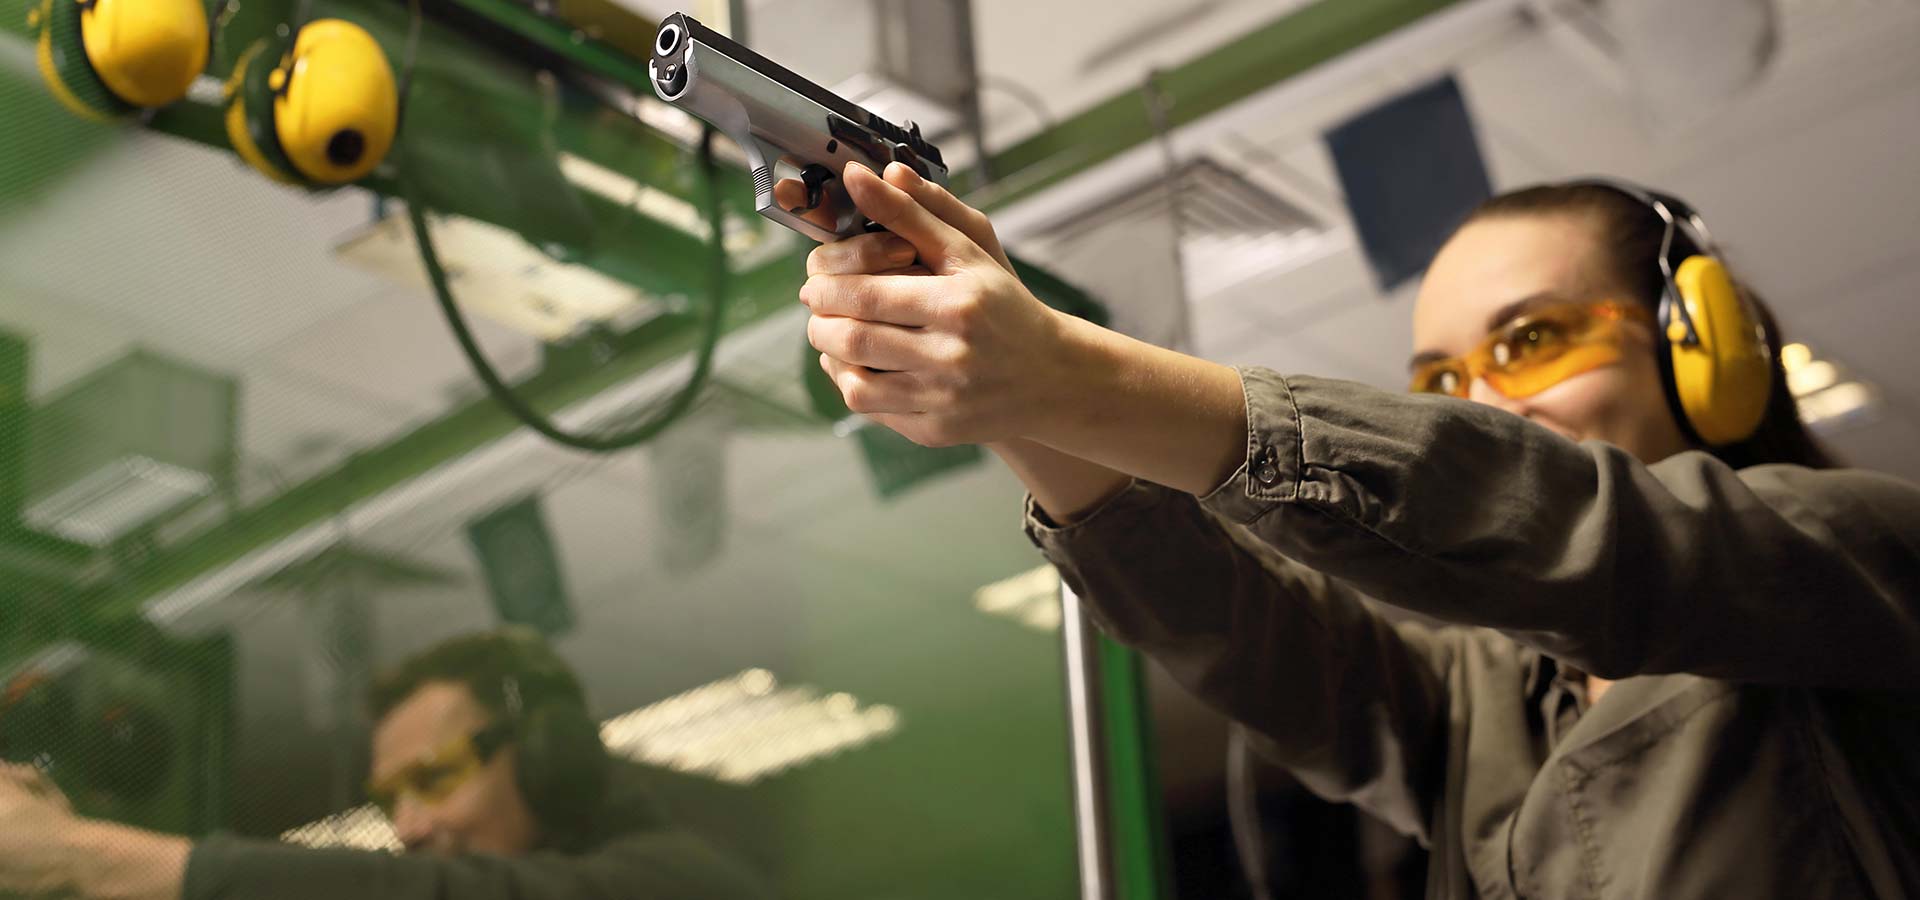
(1723,380)
(106,58)
(320,109)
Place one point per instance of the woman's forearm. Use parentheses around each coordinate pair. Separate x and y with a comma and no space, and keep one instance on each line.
(1066,487)
(1141,410)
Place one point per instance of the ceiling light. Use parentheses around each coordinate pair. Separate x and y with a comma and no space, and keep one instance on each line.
(496,273)
(359,828)
(745,728)
(1031,598)
(1821,388)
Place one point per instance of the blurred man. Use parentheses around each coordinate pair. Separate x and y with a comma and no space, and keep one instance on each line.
(487,763)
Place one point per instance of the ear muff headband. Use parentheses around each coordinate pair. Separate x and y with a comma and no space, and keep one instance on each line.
(1718,361)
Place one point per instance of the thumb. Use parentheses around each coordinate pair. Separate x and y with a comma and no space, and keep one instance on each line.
(942,248)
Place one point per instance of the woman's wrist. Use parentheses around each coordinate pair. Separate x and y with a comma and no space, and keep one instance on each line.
(1142,410)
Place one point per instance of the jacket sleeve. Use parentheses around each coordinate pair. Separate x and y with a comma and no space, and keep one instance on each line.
(644,866)
(1354,706)
(1771,574)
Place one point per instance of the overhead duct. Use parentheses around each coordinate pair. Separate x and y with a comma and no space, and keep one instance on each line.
(1679,59)
(1232,230)
(122,449)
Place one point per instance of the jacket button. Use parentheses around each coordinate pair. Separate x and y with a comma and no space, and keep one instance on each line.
(1266,469)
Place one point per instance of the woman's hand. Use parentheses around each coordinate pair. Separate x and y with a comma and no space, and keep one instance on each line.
(965,356)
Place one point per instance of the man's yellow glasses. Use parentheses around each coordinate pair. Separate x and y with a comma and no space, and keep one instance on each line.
(435,777)
(1535,350)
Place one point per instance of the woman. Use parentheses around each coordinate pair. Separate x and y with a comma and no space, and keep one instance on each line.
(1668,673)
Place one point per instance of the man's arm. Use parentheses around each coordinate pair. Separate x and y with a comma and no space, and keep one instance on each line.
(640,866)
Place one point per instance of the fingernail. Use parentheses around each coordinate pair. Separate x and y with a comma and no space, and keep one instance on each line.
(900,252)
(898,169)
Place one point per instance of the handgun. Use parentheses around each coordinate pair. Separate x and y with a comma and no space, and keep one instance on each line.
(778,117)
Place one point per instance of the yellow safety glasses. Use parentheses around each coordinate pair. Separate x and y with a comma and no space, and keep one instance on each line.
(435,777)
(1535,350)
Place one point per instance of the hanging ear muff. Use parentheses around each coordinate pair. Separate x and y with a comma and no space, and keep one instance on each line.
(106,58)
(1723,379)
(319,108)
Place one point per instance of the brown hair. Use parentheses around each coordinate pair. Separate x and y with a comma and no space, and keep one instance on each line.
(1631,232)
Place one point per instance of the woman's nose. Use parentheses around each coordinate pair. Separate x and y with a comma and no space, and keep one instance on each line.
(1479,391)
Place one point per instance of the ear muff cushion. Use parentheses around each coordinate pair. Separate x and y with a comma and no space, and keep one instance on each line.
(249,116)
(147,52)
(336,119)
(1723,383)
(62,57)
(563,766)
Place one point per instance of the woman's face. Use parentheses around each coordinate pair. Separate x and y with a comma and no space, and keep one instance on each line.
(1495,268)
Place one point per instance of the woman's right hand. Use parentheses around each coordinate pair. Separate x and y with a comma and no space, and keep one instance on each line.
(963,355)
(1064,486)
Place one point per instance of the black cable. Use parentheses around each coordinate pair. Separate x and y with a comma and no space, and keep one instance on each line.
(497,387)
(1025,95)
(503,394)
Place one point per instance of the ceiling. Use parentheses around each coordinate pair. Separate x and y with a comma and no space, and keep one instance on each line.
(1809,180)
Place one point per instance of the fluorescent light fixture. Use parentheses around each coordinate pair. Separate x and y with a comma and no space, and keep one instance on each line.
(1031,598)
(496,273)
(115,499)
(745,728)
(1836,404)
(1812,378)
(1821,388)
(359,828)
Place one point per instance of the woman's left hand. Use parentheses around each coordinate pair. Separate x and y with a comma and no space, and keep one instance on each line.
(962,355)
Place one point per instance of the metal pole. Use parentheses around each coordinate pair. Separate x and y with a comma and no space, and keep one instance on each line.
(1086,735)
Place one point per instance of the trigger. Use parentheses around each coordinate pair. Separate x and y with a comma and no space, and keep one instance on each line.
(815,177)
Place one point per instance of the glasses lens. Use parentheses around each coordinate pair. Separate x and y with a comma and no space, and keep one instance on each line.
(1531,378)
(431,780)
(1443,377)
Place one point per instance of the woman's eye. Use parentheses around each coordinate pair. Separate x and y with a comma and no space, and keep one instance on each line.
(1533,337)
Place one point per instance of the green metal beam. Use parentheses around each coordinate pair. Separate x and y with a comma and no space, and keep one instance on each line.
(1235,71)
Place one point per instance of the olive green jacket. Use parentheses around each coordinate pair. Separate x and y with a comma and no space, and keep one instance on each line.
(638,857)
(1763,740)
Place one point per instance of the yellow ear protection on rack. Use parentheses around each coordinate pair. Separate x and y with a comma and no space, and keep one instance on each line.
(1718,359)
(107,58)
(318,107)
